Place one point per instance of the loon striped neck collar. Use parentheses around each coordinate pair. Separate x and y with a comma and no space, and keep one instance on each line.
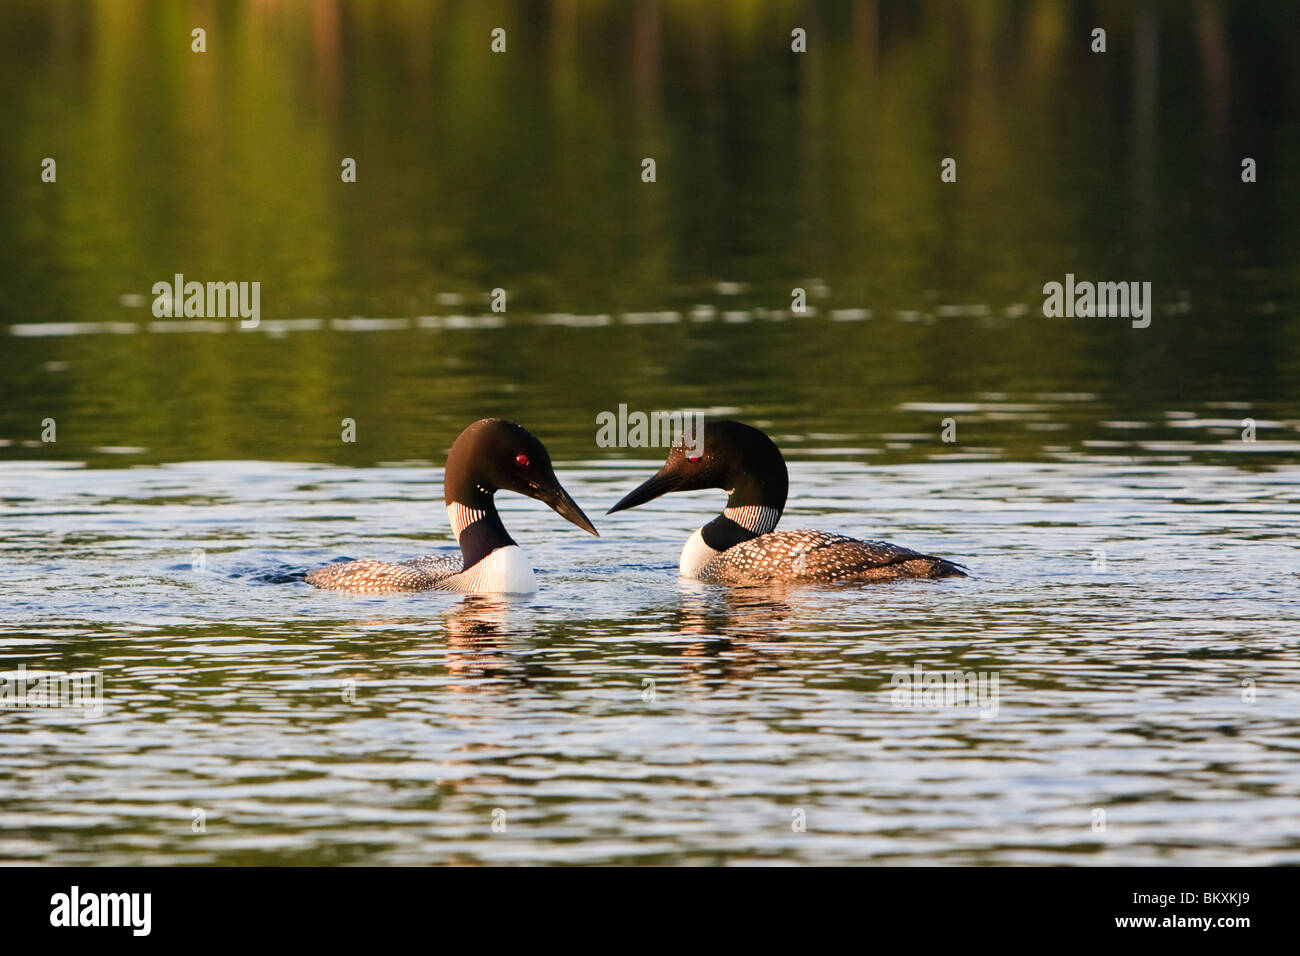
(478,529)
(739,523)
(756,519)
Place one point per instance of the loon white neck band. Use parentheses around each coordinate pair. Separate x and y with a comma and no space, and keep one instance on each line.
(760,519)
(462,516)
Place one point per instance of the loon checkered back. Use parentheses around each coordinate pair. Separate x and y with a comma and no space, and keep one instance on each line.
(820,556)
(381,577)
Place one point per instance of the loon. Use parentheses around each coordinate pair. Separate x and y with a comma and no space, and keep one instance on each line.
(741,545)
(490,455)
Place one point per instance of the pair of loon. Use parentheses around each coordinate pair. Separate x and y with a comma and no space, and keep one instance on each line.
(739,546)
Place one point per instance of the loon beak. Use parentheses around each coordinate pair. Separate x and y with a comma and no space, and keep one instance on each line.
(562,504)
(658,484)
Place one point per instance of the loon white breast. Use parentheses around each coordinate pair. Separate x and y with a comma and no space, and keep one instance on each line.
(741,545)
(489,456)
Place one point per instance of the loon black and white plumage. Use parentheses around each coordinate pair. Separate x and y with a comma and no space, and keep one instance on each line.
(740,546)
(489,456)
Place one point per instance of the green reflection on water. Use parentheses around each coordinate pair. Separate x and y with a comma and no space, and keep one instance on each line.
(522,171)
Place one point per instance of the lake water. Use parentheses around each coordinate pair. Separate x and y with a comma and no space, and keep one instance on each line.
(1125,497)
(1120,683)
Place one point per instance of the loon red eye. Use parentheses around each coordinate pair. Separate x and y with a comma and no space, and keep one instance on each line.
(522,459)
(694,459)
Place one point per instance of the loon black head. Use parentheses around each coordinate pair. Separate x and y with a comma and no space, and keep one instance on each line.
(733,456)
(496,455)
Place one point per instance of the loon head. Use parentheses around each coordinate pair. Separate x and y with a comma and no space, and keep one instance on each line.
(496,455)
(733,456)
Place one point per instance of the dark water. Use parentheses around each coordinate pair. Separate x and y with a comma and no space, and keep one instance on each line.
(522,171)
(1125,496)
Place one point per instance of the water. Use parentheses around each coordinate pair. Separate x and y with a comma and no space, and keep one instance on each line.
(1125,497)
(1120,687)
(776,171)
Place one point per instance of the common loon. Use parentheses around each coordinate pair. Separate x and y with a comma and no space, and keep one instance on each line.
(740,546)
(489,456)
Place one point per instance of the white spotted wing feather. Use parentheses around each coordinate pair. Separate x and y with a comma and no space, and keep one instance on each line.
(820,556)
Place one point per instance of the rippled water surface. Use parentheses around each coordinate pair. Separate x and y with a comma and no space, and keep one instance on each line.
(1123,676)
(1123,488)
